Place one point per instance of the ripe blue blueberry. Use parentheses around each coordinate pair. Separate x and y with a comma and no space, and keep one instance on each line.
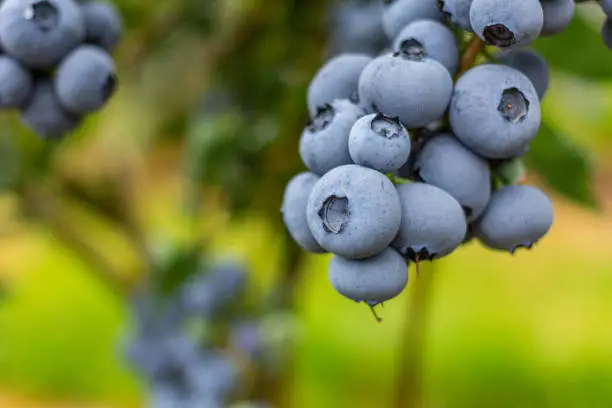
(433,222)
(458,12)
(495,111)
(324,142)
(293,209)
(16,83)
(103,24)
(437,40)
(39,33)
(399,13)
(516,217)
(606,33)
(557,15)
(354,211)
(504,24)
(44,114)
(379,142)
(371,280)
(407,85)
(446,163)
(531,64)
(357,28)
(606,6)
(338,78)
(85,79)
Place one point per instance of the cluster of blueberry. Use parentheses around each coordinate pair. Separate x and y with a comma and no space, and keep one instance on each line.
(412,153)
(55,64)
(606,31)
(177,347)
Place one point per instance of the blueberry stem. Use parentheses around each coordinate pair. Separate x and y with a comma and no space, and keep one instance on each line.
(472,51)
(409,385)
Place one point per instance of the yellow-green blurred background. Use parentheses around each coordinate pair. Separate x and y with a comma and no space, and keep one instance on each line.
(530,330)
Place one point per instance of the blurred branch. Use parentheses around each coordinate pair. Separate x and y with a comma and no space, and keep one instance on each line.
(44,207)
(410,378)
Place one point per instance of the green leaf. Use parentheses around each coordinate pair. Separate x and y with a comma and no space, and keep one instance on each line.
(563,165)
(579,50)
(182,263)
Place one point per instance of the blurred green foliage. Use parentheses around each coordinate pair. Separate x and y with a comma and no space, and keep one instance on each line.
(194,152)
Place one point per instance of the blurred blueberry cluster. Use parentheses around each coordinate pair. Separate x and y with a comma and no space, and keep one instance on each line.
(201,346)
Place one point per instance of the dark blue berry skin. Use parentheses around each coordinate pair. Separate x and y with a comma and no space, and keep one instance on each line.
(372,280)
(44,114)
(399,13)
(379,142)
(606,34)
(324,141)
(103,24)
(495,111)
(39,33)
(437,40)
(505,25)
(433,222)
(16,83)
(531,64)
(606,6)
(458,12)
(446,163)
(295,200)
(354,211)
(414,88)
(85,79)
(337,79)
(357,28)
(557,15)
(516,217)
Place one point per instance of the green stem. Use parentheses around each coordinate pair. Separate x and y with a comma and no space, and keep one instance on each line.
(410,379)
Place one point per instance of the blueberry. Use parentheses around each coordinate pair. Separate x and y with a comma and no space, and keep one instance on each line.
(357,28)
(44,114)
(324,142)
(354,211)
(379,142)
(517,216)
(557,15)
(606,33)
(495,111)
(337,79)
(214,375)
(206,294)
(399,13)
(371,280)
(433,222)
(103,24)
(293,209)
(531,64)
(606,6)
(505,24)
(85,79)
(458,12)
(16,83)
(437,41)
(407,85)
(446,163)
(39,33)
